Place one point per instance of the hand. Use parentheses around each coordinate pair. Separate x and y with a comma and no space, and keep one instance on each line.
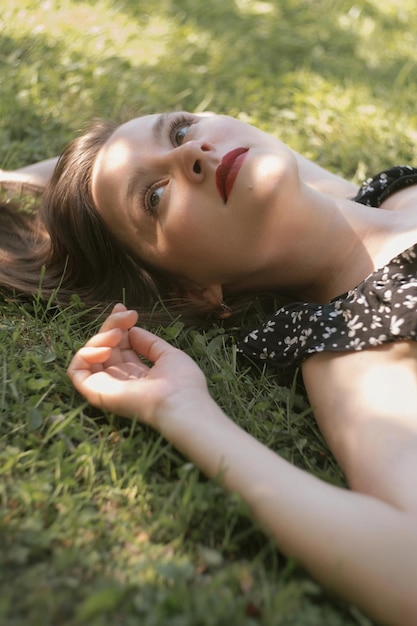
(108,372)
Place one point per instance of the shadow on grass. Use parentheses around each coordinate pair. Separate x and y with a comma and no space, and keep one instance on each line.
(243,45)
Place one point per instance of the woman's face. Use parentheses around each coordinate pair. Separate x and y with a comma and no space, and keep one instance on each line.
(193,195)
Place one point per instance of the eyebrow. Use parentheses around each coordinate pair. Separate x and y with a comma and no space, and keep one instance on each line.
(138,174)
(158,126)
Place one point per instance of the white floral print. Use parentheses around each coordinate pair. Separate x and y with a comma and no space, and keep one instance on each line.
(381,309)
(353,321)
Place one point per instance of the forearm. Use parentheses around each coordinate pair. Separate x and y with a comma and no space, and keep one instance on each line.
(357,546)
(35,174)
(363,549)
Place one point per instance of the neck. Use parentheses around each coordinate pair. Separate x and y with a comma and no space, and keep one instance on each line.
(360,240)
(346,248)
(332,245)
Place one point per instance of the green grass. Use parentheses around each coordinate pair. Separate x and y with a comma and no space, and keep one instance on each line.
(101,522)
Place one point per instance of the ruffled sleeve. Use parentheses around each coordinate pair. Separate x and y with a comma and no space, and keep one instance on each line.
(376,189)
(381,309)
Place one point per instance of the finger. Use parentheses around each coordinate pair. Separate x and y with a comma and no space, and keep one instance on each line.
(147,344)
(118,341)
(96,388)
(98,349)
(110,338)
(78,378)
(118,307)
(87,356)
(123,319)
(86,360)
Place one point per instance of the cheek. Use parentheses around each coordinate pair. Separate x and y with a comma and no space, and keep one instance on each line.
(188,225)
(193,249)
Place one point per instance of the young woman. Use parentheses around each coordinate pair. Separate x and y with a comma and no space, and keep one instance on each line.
(71,241)
(201,210)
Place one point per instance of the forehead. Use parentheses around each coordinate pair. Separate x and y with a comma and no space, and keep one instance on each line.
(141,125)
(127,136)
(116,156)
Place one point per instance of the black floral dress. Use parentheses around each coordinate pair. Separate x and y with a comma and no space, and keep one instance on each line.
(381,309)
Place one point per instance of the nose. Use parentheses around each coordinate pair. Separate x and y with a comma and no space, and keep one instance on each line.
(194,157)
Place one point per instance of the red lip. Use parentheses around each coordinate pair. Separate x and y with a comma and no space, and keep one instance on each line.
(227,171)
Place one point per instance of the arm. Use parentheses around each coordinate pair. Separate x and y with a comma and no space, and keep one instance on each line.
(366,406)
(37,174)
(361,548)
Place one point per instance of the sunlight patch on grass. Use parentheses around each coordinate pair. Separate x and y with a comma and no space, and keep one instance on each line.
(256,8)
(106,29)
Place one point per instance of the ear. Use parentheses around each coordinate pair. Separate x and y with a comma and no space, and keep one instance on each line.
(213,295)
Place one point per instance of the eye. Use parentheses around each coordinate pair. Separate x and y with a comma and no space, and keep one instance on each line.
(152,198)
(179,127)
(180,134)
